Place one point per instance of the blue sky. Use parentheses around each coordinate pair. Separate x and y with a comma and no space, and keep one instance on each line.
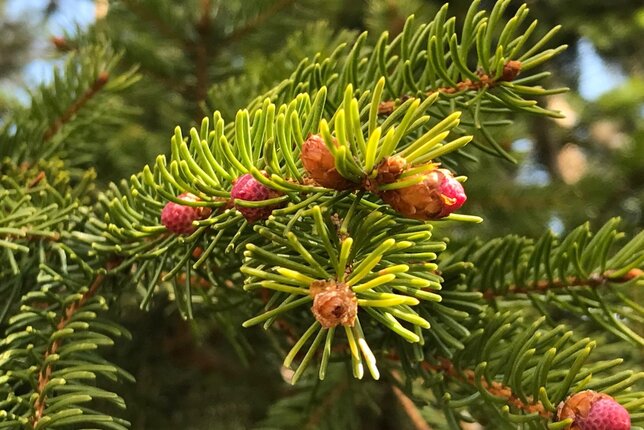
(71,14)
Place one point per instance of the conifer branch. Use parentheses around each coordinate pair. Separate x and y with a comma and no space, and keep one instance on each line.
(447,368)
(39,131)
(157,23)
(257,21)
(545,285)
(77,105)
(530,367)
(580,273)
(511,70)
(306,197)
(44,376)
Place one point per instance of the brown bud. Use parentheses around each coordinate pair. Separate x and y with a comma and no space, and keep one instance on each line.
(333,304)
(386,108)
(633,273)
(436,196)
(197,252)
(102,78)
(511,70)
(390,169)
(320,164)
(61,43)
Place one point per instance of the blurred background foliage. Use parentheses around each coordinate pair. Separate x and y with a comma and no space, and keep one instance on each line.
(196,56)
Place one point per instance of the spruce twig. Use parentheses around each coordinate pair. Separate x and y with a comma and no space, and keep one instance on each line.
(545,285)
(447,368)
(77,105)
(511,70)
(257,21)
(45,374)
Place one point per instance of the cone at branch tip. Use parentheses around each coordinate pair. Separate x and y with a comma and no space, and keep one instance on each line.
(436,196)
(593,411)
(320,164)
(333,304)
(178,218)
(247,188)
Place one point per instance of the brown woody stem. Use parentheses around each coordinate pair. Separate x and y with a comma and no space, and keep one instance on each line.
(544,285)
(497,389)
(511,70)
(73,109)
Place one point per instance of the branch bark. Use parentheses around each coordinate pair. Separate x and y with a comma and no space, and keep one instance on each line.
(543,286)
(495,388)
(511,70)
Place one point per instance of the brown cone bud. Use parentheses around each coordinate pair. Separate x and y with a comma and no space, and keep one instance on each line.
(320,164)
(333,304)
(61,43)
(386,108)
(511,70)
(436,196)
(390,169)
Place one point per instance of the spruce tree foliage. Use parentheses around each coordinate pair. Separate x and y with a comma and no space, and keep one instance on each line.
(497,333)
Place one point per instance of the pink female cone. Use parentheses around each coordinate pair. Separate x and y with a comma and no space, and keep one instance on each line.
(178,218)
(250,189)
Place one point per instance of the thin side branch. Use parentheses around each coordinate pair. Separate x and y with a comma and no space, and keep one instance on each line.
(495,388)
(78,104)
(256,22)
(543,286)
(511,70)
(45,374)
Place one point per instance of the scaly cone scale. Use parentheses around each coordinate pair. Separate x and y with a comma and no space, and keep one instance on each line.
(320,164)
(390,170)
(436,196)
(333,304)
(178,218)
(246,187)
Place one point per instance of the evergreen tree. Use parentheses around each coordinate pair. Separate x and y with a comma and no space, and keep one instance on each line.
(307,222)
